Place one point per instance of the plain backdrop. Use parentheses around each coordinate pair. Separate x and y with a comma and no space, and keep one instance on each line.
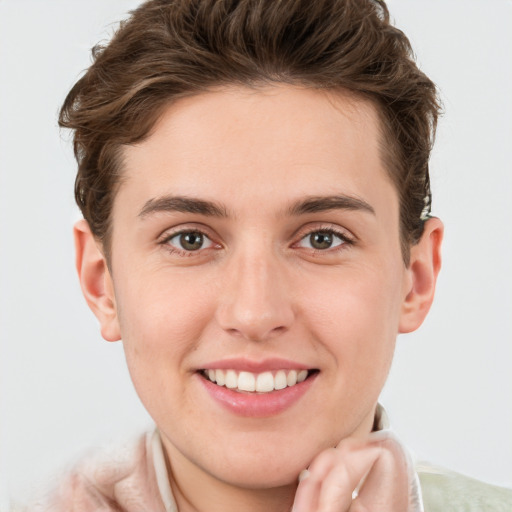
(64,389)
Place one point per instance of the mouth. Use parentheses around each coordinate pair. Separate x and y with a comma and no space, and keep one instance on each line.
(258,383)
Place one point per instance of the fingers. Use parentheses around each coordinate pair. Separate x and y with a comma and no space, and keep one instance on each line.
(388,484)
(333,476)
(345,476)
(379,466)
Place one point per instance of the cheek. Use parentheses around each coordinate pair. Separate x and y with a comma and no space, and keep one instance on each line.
(356,302)
(157,305)
(356,318)
(161,320)
(161,325)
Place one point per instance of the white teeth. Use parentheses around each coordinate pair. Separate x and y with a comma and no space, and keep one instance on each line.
(246,382)
(301,376)
(280,380)
(291,380)
(220,377)
(264,382)
(231,379)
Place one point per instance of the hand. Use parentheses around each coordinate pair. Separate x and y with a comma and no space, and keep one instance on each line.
(372,475)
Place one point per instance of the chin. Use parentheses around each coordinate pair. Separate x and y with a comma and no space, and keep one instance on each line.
(266,466)
(263,476)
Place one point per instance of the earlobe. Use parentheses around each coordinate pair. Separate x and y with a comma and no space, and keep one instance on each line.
(424,267)
(96,281)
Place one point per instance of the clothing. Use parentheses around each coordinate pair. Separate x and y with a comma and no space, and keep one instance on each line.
(447,491)
(134,478)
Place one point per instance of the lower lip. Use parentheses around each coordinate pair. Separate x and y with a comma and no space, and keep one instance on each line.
(257,405)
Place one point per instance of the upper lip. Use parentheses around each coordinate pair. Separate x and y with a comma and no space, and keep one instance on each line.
(249,365)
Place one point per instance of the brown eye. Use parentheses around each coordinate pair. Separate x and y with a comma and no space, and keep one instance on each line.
(322,240)
(190,241)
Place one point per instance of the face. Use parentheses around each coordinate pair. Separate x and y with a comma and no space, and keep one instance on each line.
(256,242)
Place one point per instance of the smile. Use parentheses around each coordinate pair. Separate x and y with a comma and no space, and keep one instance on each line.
(256,389)
(264,382)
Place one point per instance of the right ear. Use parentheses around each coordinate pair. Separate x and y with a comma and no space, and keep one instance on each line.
(96,281)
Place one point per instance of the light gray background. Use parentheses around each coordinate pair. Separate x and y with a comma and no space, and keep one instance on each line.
(63,389)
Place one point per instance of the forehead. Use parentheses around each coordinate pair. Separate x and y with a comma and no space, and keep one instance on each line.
(239,144)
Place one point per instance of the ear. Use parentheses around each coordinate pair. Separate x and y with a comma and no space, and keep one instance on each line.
(420,284)
(96,281)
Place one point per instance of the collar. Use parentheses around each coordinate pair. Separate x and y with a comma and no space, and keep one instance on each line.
(162,477)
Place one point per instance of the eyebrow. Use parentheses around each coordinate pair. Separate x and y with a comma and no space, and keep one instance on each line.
(182,204)
(325,203)
(312,204)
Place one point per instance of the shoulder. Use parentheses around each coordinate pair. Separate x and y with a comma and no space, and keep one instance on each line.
(113,478)
(447,491)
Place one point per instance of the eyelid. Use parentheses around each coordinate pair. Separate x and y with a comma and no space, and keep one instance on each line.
(348,240)
(310,228)
(168,234)
(344,234)
(208,241)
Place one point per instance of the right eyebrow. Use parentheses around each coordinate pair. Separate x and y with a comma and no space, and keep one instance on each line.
(183,204)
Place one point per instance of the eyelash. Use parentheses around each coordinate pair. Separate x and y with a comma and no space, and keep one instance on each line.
(165,242)
(346,241)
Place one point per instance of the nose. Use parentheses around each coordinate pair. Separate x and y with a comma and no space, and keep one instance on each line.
(256,303)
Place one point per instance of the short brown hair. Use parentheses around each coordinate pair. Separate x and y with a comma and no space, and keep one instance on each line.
(168,49)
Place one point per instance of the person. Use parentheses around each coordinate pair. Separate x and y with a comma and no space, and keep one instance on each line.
(254,182)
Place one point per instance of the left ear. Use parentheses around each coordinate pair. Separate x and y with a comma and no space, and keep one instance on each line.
(424,266)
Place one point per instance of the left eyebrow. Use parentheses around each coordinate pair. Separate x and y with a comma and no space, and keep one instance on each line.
(316,204)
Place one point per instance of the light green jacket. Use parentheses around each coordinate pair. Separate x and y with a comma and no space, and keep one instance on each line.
(447,491)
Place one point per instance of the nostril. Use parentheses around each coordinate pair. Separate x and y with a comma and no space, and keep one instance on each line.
(259,333)
(255,304)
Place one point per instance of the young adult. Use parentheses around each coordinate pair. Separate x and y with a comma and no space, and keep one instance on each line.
(253,177)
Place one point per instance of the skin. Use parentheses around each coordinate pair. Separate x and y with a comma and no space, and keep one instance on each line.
(258,289)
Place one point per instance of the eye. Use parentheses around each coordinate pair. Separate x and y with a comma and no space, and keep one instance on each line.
(322,240)
(189,241)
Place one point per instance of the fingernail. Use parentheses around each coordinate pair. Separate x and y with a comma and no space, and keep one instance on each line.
(303,475)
